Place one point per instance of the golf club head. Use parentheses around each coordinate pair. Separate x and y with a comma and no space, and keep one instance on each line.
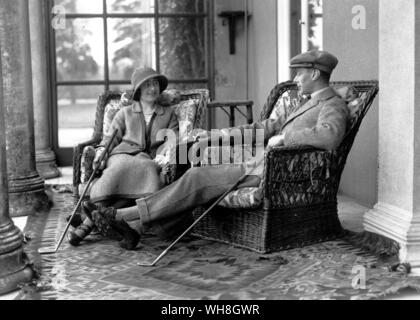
(144,264)
(47,250)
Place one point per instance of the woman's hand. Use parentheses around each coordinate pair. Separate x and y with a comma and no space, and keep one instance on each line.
(98,155)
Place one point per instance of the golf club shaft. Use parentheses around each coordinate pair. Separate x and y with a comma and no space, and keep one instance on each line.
(204,214)
(85,190)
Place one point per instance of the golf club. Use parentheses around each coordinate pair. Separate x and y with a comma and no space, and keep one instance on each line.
(152,264)
(52,251)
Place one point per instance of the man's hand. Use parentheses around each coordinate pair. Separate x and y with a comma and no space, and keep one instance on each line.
(165,153)
(98,155)
(161,160)
(275,141)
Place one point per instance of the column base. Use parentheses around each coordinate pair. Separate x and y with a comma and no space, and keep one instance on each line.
(13,282)
(15,269)
(46,164)
(399,225)
(27,195)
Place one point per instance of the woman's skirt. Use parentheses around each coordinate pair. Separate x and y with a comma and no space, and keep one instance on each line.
(126,177)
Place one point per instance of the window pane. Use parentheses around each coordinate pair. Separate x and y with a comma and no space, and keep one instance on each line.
(315,6)
(81,6)
(80,50)
(182,47)
(187,86)
(315,25)
(182,6)
(130,6)
(120,87)
(76,113)
(131,45)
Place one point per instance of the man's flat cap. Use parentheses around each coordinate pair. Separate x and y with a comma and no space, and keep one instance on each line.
(316,59)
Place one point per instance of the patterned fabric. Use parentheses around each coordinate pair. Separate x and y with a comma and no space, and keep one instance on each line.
(111,110)
(185,112)
(167,98)
(286,105)
(86,163)
(243,198)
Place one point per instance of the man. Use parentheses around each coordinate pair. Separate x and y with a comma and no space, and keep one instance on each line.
(320,122)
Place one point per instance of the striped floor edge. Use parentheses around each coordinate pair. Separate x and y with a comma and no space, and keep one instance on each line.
(43,230)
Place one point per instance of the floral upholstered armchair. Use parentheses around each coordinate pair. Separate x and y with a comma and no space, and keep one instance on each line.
(296,202)
(190,107)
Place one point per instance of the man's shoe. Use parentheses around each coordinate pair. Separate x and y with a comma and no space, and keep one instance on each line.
(130,237)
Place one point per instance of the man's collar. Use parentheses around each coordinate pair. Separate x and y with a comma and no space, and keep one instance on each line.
(323,94)
(137,108)
(317,93)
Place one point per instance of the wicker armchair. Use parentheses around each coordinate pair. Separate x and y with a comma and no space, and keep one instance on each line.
(82,168)
(299,189)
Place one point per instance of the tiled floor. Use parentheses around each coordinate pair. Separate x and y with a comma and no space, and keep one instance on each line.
(350,212)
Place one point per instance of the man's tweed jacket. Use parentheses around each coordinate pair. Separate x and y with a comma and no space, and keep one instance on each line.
(321,123)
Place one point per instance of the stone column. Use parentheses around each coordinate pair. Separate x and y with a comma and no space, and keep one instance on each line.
(13,267)
(45,157)
(397,213)
(26,188)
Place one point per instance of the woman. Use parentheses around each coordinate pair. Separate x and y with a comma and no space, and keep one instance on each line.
(132,168)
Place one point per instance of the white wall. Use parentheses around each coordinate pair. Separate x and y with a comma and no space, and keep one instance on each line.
(358,52)
(230,70)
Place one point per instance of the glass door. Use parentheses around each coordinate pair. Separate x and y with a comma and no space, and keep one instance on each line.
(97,45)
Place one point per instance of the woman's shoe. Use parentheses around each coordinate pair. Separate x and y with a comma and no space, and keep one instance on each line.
(76,236)
(76,221)
(89,207)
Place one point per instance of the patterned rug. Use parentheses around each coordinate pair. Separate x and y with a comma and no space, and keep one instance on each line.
(199,269)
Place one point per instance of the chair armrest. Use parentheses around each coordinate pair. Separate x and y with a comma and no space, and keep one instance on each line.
(77,156)
(299,175)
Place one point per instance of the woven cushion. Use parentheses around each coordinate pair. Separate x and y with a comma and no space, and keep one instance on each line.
(243,198)
(185,112)
(111,109)
(286,104)
(86,163)
(346,93)
(168,97)
(354,102)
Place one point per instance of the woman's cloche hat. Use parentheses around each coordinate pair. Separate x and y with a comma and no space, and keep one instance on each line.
(141,75)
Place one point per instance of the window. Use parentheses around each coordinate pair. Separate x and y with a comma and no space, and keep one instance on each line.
(311,22)
(103,41)
(299,29)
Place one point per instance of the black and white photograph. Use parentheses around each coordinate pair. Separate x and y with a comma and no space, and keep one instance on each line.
(209,157)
